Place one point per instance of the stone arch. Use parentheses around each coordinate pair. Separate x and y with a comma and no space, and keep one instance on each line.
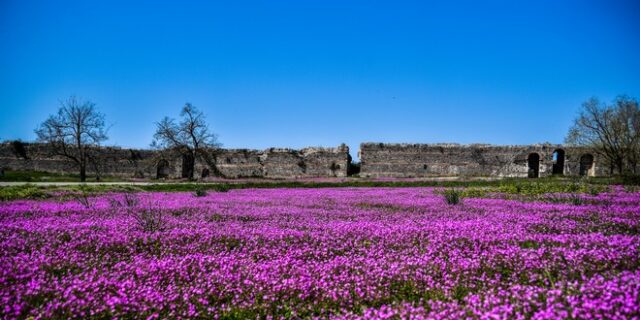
(586,165)
(334,168)
(162,169)
(533,164)
(205,173)
(558,161)
(19,149)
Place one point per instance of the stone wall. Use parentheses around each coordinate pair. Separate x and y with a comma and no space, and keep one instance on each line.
(113,161)
(437,160)
(276,163)
(377,160)
(226,163)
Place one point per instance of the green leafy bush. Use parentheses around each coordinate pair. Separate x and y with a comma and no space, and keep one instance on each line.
(475,192)
(200,192)
(453,196)
(576,200)
(632,180)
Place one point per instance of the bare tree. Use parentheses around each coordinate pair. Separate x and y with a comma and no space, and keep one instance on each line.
(190,137)
(613,131)
(74,132)
(629,122)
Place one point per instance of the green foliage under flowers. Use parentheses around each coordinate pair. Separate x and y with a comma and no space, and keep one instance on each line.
(475,192)
(22,192)
(78,192)
(41,176)
(537,188)
(466,189)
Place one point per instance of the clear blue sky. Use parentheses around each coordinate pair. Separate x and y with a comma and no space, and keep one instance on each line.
(310,73)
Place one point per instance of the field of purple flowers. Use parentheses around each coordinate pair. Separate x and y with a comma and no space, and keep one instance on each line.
(330,253)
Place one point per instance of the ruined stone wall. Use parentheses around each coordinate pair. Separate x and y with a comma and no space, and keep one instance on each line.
(113,161)
(437,160)
(226,163)
(278,163)
(377,160)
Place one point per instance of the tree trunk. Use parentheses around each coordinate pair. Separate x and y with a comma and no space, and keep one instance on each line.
(188,164)
(194,156)
(620,165)
(83,172)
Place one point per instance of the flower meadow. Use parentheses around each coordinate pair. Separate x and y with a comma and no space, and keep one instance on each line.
(337,253)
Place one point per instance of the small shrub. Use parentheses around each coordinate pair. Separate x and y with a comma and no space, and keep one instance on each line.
(200,192)
(453,196)
(216,217)
(576,200)
(149,219)
(83,198)
(529,244)
(130,200)
(127,201)
(179,212)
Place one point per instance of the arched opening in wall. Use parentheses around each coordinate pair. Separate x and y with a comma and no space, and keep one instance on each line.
(533,162)
(19,149)
(205,173)
(586,165)
(558,161)
(334,168)
(303,166)
(163,169)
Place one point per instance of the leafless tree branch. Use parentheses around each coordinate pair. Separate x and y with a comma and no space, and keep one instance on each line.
(76,128)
